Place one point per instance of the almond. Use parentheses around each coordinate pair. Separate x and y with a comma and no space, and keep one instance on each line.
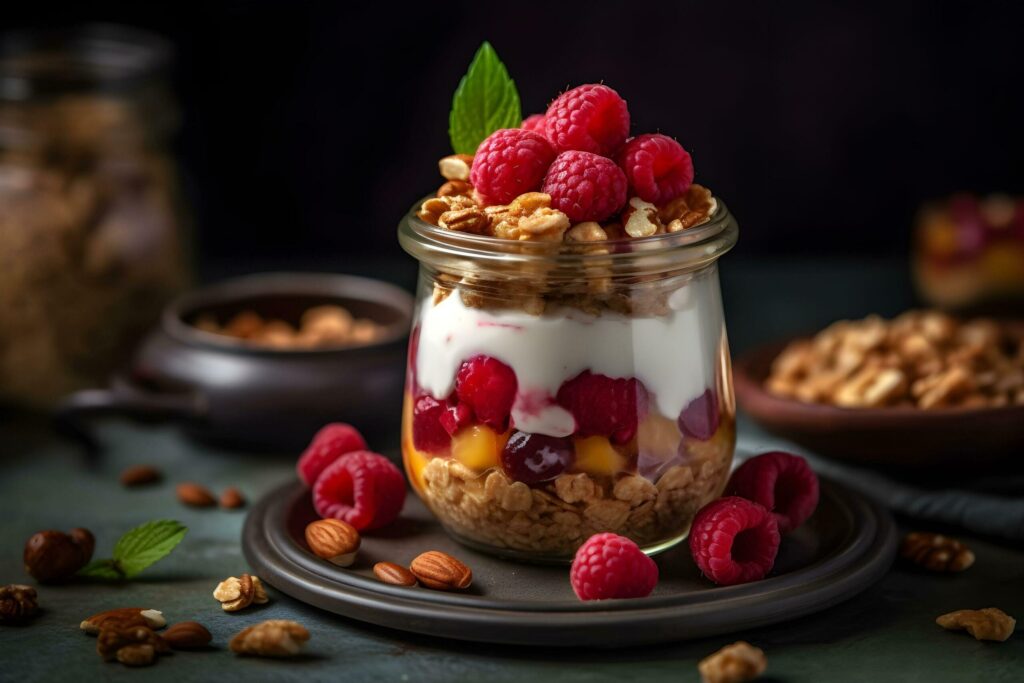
(196,495)
(187,635)
(140,475)
(125,617)
(394,574)
(441,571)
(232,498)
(333,540)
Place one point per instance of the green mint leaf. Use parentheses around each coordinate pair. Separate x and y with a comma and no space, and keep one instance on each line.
(485,101)
(102,569)
(145,544)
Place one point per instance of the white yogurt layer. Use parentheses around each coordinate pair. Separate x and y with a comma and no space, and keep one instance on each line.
(674,355)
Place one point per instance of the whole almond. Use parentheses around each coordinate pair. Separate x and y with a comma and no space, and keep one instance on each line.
(140,475)
(394,574)
(196,495)
(187,635)
(333,540)
(441,571)
(232,498)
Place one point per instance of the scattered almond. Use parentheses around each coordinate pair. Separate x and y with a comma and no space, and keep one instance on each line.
(441,571)
(232,498)
(187,635)
(333,540)
(140,475)
(394,574)
(195,495)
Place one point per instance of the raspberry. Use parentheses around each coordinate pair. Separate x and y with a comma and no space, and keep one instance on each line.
(489,387)
(428,433)
(329,444)
(363,489)
(585,186)
(534,122)
(699,419)
(589,118)
(734,540)
(658,168)
(534,458)
(783,483)
(455,417)
(612,566)
(510,162)
(603,406)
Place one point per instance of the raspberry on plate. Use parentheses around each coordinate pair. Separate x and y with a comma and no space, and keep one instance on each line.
(330,443)
(508,163)
(588,118)
(657,167)
(535,458)
(534,122)
(363,489)
(428,432)
(612,566)
(488,387)
(585,186)
(699,419)
(734,540)
(781,482)
(603,406)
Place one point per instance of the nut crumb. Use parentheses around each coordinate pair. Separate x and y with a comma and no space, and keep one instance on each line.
(736,663)
(271,638)
(990,623)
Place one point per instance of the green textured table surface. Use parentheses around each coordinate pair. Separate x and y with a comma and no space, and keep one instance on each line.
(886,634)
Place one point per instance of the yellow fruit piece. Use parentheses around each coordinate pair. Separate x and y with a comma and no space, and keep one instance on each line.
(477,447)
(595,455)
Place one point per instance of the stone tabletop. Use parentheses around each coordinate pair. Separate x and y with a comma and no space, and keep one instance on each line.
(886,634)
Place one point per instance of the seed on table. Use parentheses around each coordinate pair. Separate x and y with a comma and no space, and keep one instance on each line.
(140,475)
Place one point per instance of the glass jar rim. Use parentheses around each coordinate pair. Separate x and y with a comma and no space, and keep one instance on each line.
(686,250)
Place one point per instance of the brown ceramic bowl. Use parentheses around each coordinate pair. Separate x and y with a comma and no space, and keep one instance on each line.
(226,390)
(889,437)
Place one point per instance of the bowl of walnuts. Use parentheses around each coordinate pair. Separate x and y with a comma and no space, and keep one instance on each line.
(923,388)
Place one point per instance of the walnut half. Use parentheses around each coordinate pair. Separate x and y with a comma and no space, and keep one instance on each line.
(271,638)
(990,623)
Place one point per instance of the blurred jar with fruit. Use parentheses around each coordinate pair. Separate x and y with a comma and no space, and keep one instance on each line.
(969,254)
(91,225)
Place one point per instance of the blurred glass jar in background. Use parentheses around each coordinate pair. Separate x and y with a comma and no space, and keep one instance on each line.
(91,226)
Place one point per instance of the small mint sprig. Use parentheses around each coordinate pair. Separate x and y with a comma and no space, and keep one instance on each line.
(138,549)
(485,101)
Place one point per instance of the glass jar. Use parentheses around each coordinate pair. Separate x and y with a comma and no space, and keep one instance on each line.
(558,390)
(91,225)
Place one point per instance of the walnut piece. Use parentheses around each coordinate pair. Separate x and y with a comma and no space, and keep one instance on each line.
(471,219)
(17,602)
(237,593)
(736,663)
(936,552)
(694,207)
(528,217)
(271,638)
(990,623)
(141,643)
(640,218)
(431,210)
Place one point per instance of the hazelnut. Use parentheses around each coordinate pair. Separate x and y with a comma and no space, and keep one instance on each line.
(53,555)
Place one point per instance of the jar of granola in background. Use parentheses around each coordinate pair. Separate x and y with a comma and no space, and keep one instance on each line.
(560,389)
(91,236)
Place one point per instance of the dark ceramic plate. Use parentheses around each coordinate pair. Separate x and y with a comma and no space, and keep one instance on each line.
(846,546)
(891,437)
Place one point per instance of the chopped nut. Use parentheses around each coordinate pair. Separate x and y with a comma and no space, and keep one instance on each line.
(936,552)
(990,623)
(17,602)
(588,231)
(455,188)
(640,218)
(471,219)
(528,217)
(694,207)
(736,663)
(431,210)
(116,637)
(455,167)
(271,638)
(237,593)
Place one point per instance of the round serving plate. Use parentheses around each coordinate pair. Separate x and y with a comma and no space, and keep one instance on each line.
(848,544)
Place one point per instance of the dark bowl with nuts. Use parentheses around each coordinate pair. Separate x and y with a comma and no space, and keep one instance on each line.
(923,390)
(261,362)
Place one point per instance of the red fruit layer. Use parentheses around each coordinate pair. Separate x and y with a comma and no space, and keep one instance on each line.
(603,406)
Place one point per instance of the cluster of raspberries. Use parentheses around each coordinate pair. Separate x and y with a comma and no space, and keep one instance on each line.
(578,153)
(734,539)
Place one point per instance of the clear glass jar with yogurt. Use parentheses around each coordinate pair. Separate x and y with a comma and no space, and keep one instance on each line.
(558,390)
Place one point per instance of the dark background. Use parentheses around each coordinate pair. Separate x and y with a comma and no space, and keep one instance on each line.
(310,128)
